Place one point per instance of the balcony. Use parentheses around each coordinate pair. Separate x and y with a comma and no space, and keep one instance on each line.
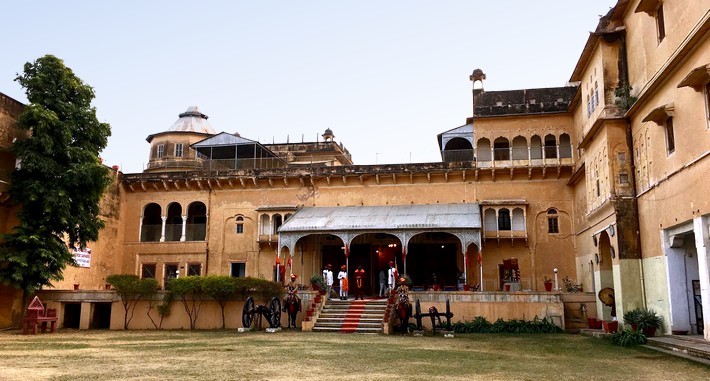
(173,232)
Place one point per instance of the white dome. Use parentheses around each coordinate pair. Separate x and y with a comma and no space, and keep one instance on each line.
(192,120)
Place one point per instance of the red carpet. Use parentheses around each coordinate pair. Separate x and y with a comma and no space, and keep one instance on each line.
(352,317)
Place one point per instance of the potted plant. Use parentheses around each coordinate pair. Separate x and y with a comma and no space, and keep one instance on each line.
(643,320)
(610,326)
(548,284)
(318,283)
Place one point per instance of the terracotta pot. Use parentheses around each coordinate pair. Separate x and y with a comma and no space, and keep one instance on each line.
(436,287)
(649,331)
(466,287)
(506,287)
(76,286)
(591,323)
(548,286)
(107,286)
(610,326)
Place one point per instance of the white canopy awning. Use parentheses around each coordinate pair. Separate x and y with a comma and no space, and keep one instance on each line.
(403,221)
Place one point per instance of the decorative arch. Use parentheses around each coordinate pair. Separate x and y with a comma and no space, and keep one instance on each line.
(277,222)
(490,220)
(458,149)
(196,226)
(504,223)
(535,147)
(565,146)
(520,148)
(518,223)
(264,224)
(151,223)
(173,224)
(550,146)
(501,149)
(483,149)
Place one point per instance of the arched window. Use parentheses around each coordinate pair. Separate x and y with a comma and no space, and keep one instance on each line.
(553,224)
(196,228)
(278,221)
(173,225)
(504,219)
(535,147)
(520,148)
(458,149)
(565,146)
(550,147)
(265,221)
(596,95)
(240,225)
(489,220)
(483,150)
(518,219)
(152,224)
(501,149)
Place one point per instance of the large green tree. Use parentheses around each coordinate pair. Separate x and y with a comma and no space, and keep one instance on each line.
(60,180)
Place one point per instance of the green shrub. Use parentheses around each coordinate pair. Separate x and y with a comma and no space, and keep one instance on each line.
(221,288)
(258,288)
(628,338)
(480,325)
(130,288)
(189,291)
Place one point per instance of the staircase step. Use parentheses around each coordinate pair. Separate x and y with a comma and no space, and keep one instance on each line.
(697,348)
(351,316)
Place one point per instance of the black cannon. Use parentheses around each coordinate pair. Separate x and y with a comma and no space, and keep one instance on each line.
(435,316)
(272,312)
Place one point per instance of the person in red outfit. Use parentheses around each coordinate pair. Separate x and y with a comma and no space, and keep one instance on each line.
(359,283)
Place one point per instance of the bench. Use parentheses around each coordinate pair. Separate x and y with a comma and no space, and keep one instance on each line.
(37,315)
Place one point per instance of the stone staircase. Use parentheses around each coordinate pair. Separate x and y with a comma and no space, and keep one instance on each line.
(352,316)
(689,347)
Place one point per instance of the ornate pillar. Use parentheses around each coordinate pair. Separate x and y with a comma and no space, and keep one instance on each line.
(184,228)
(162,231)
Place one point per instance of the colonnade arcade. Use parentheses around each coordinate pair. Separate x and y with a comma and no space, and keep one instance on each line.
(423,255)
(436,234)
(173,224)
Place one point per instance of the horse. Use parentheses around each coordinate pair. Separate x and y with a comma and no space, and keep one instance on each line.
(404,312)
(292,305)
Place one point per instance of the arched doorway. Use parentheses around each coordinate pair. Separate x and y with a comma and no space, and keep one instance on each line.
(374,251)
(458,149)
(435,260)
(606,274)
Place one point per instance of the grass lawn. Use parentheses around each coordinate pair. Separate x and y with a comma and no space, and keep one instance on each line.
(217,355)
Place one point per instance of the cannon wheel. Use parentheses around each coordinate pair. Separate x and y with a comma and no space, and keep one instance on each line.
(248,312)
(448,315)
(275,307)
(418,314)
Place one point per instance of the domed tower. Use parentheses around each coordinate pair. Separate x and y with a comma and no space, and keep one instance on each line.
(170,150)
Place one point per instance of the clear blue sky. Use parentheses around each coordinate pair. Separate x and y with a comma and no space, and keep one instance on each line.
(385,76)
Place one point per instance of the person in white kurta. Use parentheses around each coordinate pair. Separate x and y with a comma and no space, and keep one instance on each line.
(328,278)
(391,278)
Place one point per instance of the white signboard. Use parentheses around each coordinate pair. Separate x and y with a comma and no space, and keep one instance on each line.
(82,257)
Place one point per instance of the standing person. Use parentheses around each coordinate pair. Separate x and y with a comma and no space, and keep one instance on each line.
(359,283)
(328,279)
(383,282)
(391,277)
(343,277)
